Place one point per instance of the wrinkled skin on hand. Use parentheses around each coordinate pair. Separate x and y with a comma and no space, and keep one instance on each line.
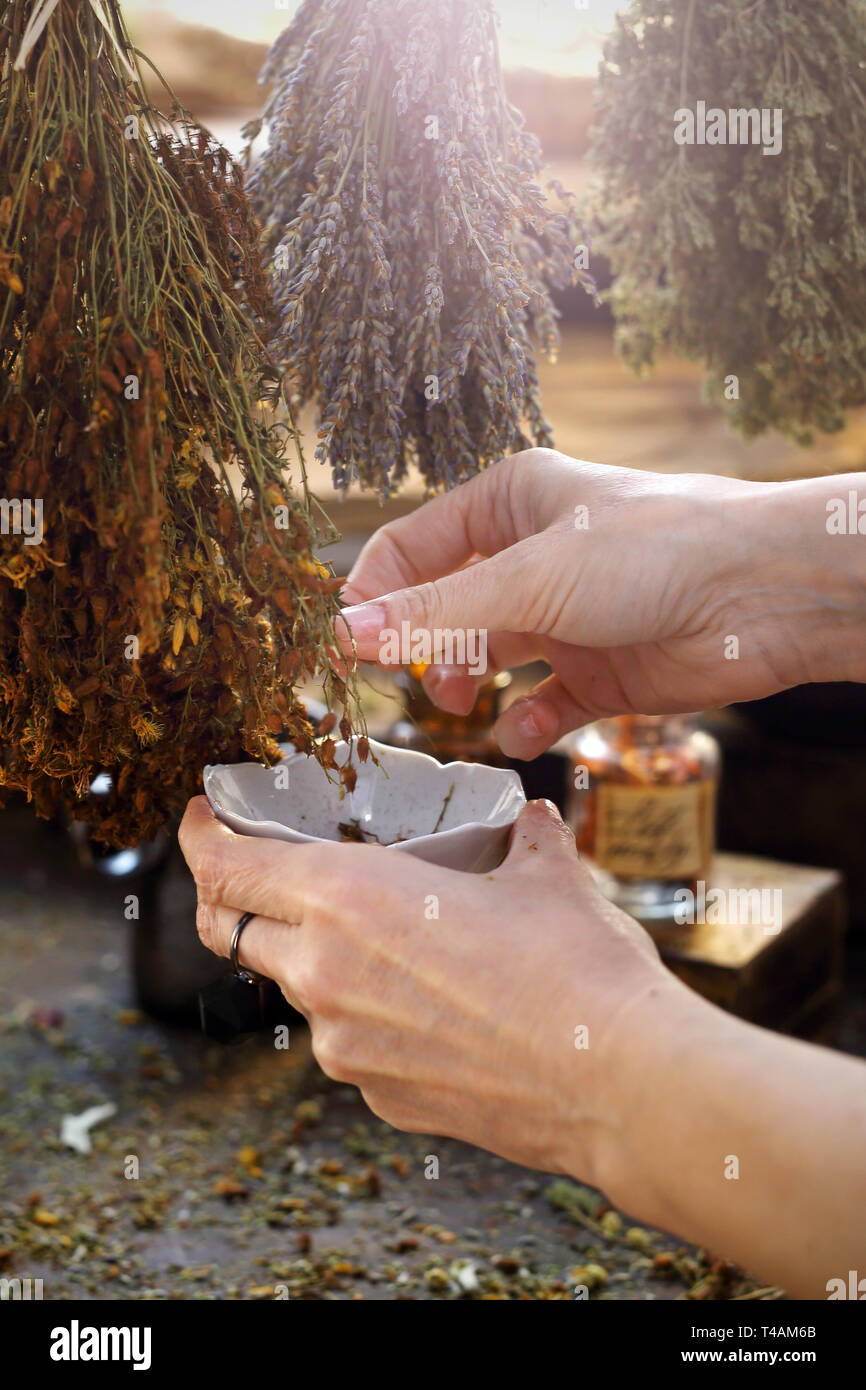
(462,1023)
(629,584)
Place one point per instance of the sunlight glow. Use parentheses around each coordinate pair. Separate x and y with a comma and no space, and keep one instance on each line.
(560,36)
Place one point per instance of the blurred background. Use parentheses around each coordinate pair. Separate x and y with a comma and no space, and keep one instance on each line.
(255,1167)
(211,54)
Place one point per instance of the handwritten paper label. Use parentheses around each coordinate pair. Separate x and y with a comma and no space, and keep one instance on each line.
(655,832)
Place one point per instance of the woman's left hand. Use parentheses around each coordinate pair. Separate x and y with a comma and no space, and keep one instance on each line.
(453,1000)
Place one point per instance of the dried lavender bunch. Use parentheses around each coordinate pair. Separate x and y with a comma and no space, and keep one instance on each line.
(163,615)
(412,250)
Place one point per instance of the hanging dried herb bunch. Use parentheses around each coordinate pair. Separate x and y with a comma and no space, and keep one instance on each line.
(411,247)
(750,257)
(153,616)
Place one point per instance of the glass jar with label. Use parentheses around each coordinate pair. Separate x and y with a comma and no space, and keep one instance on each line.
(642,806)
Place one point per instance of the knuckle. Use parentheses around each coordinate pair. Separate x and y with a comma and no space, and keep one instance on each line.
(379,1105)
(421,606)
(386,544)
(205,924)
(311,982)
(317,873)
(543,457)
(305,984)
(385,1106)
(331,1054)
(385,562)
(208,870)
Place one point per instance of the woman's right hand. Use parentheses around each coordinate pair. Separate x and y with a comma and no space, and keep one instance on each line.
(644,592)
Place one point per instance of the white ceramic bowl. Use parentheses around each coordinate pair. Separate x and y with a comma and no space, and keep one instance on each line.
(458,815)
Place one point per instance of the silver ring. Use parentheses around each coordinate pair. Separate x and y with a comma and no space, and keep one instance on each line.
(248,975)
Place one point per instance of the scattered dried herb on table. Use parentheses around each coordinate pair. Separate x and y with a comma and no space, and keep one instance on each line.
(411,247)
(166,615)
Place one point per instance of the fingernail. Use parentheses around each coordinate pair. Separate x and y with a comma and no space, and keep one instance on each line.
(528,725)
(450,690)
(435,677)
(366,622)
(522,723)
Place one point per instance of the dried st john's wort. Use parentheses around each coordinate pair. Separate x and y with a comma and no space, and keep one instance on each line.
(159,595)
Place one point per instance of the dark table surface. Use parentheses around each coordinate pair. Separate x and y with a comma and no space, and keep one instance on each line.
(257,1176)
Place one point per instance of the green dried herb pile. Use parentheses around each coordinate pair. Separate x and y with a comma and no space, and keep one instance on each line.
(752,263)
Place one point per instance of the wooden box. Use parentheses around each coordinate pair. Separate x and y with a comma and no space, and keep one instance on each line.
(783,978)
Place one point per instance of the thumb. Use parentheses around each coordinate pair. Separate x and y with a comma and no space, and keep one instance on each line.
(460,607)
(542,846)
(540,836)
